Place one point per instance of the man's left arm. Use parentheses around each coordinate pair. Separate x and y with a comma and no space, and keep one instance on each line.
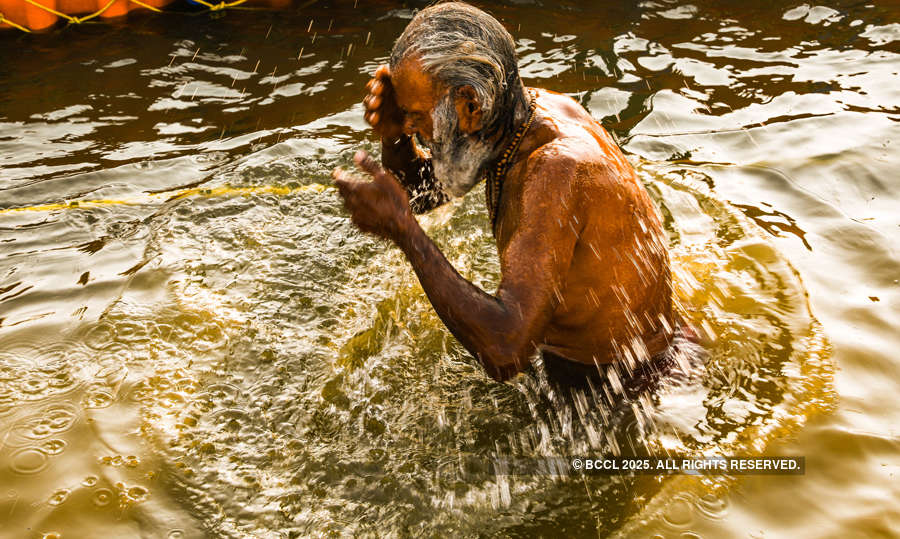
(502,331)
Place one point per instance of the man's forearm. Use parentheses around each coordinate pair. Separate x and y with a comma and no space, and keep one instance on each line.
(481,322)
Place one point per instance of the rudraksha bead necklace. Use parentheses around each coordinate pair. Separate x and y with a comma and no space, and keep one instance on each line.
(493,180)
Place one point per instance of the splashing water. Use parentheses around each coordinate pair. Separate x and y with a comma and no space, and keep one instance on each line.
(224,355)
(317,391)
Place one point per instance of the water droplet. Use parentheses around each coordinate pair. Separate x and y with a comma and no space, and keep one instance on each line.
(100,336)
(60,380)
(60,419)
(712,506)
(175,534)
(58,497)
(90,481)
(54,447)
(102,497)
(138,493)
(30,460)
(98,399)
(33,386)
(171,399)
(679,513)
(41,430)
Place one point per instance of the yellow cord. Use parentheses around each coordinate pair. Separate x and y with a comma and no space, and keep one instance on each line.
(177,195)
(50,10)
(220,5)
(78,20)
(4,20)
(147,6)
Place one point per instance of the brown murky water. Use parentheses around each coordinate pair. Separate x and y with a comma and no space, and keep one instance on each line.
(194,341)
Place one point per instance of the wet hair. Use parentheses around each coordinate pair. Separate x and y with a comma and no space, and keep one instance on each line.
(460,45)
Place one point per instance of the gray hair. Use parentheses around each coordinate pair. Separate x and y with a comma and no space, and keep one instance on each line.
(460,45)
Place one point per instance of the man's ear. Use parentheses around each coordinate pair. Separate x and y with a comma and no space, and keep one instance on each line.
(468,109)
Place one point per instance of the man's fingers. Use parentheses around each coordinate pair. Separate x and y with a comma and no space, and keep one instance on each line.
(365,162)
(347,185)
(372,102)
(382,71)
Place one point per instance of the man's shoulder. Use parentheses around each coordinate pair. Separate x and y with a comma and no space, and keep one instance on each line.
(580,137)
(570,158)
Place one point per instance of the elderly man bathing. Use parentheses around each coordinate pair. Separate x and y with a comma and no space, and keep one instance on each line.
(585,271)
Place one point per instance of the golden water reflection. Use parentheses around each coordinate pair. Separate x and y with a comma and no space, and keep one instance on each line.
(194,341)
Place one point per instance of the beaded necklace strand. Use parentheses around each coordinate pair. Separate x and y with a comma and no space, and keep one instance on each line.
(493,180)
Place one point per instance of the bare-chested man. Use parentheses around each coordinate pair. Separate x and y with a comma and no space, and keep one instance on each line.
(585,271)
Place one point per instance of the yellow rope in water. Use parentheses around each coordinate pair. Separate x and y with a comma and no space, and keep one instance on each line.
(177,195)
(78,20)
(220,5)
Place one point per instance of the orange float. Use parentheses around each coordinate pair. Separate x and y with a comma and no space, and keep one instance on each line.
(27,15)
(36,15)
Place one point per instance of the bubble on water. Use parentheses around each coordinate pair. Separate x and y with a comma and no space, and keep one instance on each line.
(141,393)
(54,447)
(52,420)
(98,399)
(222,393)
(33,386)
(60,418)
(112,373)
(30,460)
(208,337)
(100,336)
(41,430)
(103,497)
(90,481)
(678,513)
(171,399)
(127,331)
(115,356)
(175,534)
(59,496)
(8,369)
(111,460)
(188,386)
(712,506)
(232,419)
(137,493)
(60,380)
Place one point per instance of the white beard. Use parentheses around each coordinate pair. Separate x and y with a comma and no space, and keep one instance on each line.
(457,157)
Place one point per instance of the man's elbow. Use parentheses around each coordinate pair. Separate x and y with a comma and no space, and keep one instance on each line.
(504,364)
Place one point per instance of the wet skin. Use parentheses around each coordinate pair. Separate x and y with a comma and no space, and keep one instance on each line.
(585,270)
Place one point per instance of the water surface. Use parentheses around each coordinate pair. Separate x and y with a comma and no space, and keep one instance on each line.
(195,341)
